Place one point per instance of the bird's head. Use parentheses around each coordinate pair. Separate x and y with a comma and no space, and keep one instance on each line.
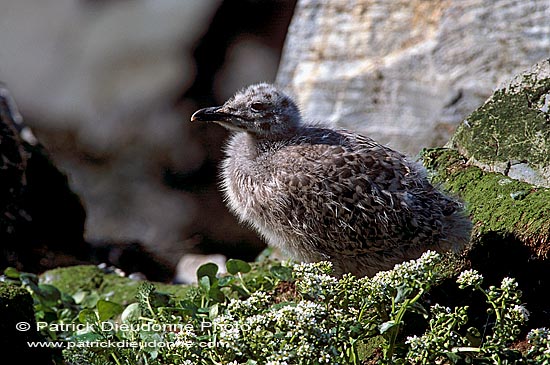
(261,110)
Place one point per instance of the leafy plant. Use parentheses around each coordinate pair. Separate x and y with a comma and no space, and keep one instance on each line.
(270,312)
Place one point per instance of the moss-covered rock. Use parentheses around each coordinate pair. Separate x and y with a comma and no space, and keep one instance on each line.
(109,286)
(511,235)
(510,133)
(499,164)
(18,326)
(497,204)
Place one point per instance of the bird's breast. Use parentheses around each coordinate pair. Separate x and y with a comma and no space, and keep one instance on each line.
(245,182)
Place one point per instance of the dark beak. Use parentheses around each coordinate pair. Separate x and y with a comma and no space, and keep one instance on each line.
(213,114)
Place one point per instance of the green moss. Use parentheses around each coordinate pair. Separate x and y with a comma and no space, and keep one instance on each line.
(495,202)
(510,126)
(16,308)
(74,278)
(109,286)
(15,301)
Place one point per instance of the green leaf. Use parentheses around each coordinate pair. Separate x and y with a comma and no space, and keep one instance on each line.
(131,313)
(30,281)
(67,300)
(419,309)
(79,296)
(87,337)
(11,273)
(188,308)
(213,311)
(87,316)
(28,277)
(216,294)
(49,294)
(282,272)
(204,283)
(226,280)
(402,293)
(235,265)
(159,299)
(209,270)
(386,326)
(107,310)
(455,359)
(90,300)
(240,290)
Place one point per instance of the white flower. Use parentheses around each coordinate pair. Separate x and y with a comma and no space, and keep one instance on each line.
(413,341)
(469,278)
(508,284)
(521,312)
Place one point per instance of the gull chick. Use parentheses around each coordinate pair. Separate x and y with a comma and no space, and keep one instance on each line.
(325,194)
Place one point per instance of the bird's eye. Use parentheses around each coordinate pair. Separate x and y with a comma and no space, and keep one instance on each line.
(259,106)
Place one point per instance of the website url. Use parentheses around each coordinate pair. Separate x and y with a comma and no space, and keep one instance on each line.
(108,344)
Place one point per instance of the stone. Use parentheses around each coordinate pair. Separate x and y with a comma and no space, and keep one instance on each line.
(39,213)
(186,270)
(108,285)
(500,175)
(406,73)
(42,219)
(96,80)
(510,133)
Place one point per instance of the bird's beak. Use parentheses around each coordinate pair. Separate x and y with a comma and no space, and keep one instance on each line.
(213,114)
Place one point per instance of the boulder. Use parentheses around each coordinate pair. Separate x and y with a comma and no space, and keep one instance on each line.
(509,205)
(41,218)
(108,284)
(510,133)
(407,72)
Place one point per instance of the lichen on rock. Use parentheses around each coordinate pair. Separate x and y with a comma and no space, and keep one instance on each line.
(510,133)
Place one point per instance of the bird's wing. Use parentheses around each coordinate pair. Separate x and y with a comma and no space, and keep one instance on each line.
(351,194)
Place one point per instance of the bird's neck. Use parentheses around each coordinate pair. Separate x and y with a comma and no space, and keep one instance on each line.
(243,146)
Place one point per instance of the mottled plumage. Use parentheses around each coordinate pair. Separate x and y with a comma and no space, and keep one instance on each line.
(324,194)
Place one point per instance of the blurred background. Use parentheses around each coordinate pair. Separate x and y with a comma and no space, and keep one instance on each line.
(108,87)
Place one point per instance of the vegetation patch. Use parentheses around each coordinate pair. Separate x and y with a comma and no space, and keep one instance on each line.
(269,312)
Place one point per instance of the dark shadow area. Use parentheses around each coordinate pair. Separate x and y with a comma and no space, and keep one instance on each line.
(495,258)
(499,257)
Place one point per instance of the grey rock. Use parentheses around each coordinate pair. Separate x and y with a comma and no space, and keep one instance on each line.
(407,72)
(510,133)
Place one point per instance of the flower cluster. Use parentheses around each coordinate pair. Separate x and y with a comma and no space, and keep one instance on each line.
(469,278)
(539,339)
(242,318)
(414,273)
(441,339)
(280,334)
(313,280)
